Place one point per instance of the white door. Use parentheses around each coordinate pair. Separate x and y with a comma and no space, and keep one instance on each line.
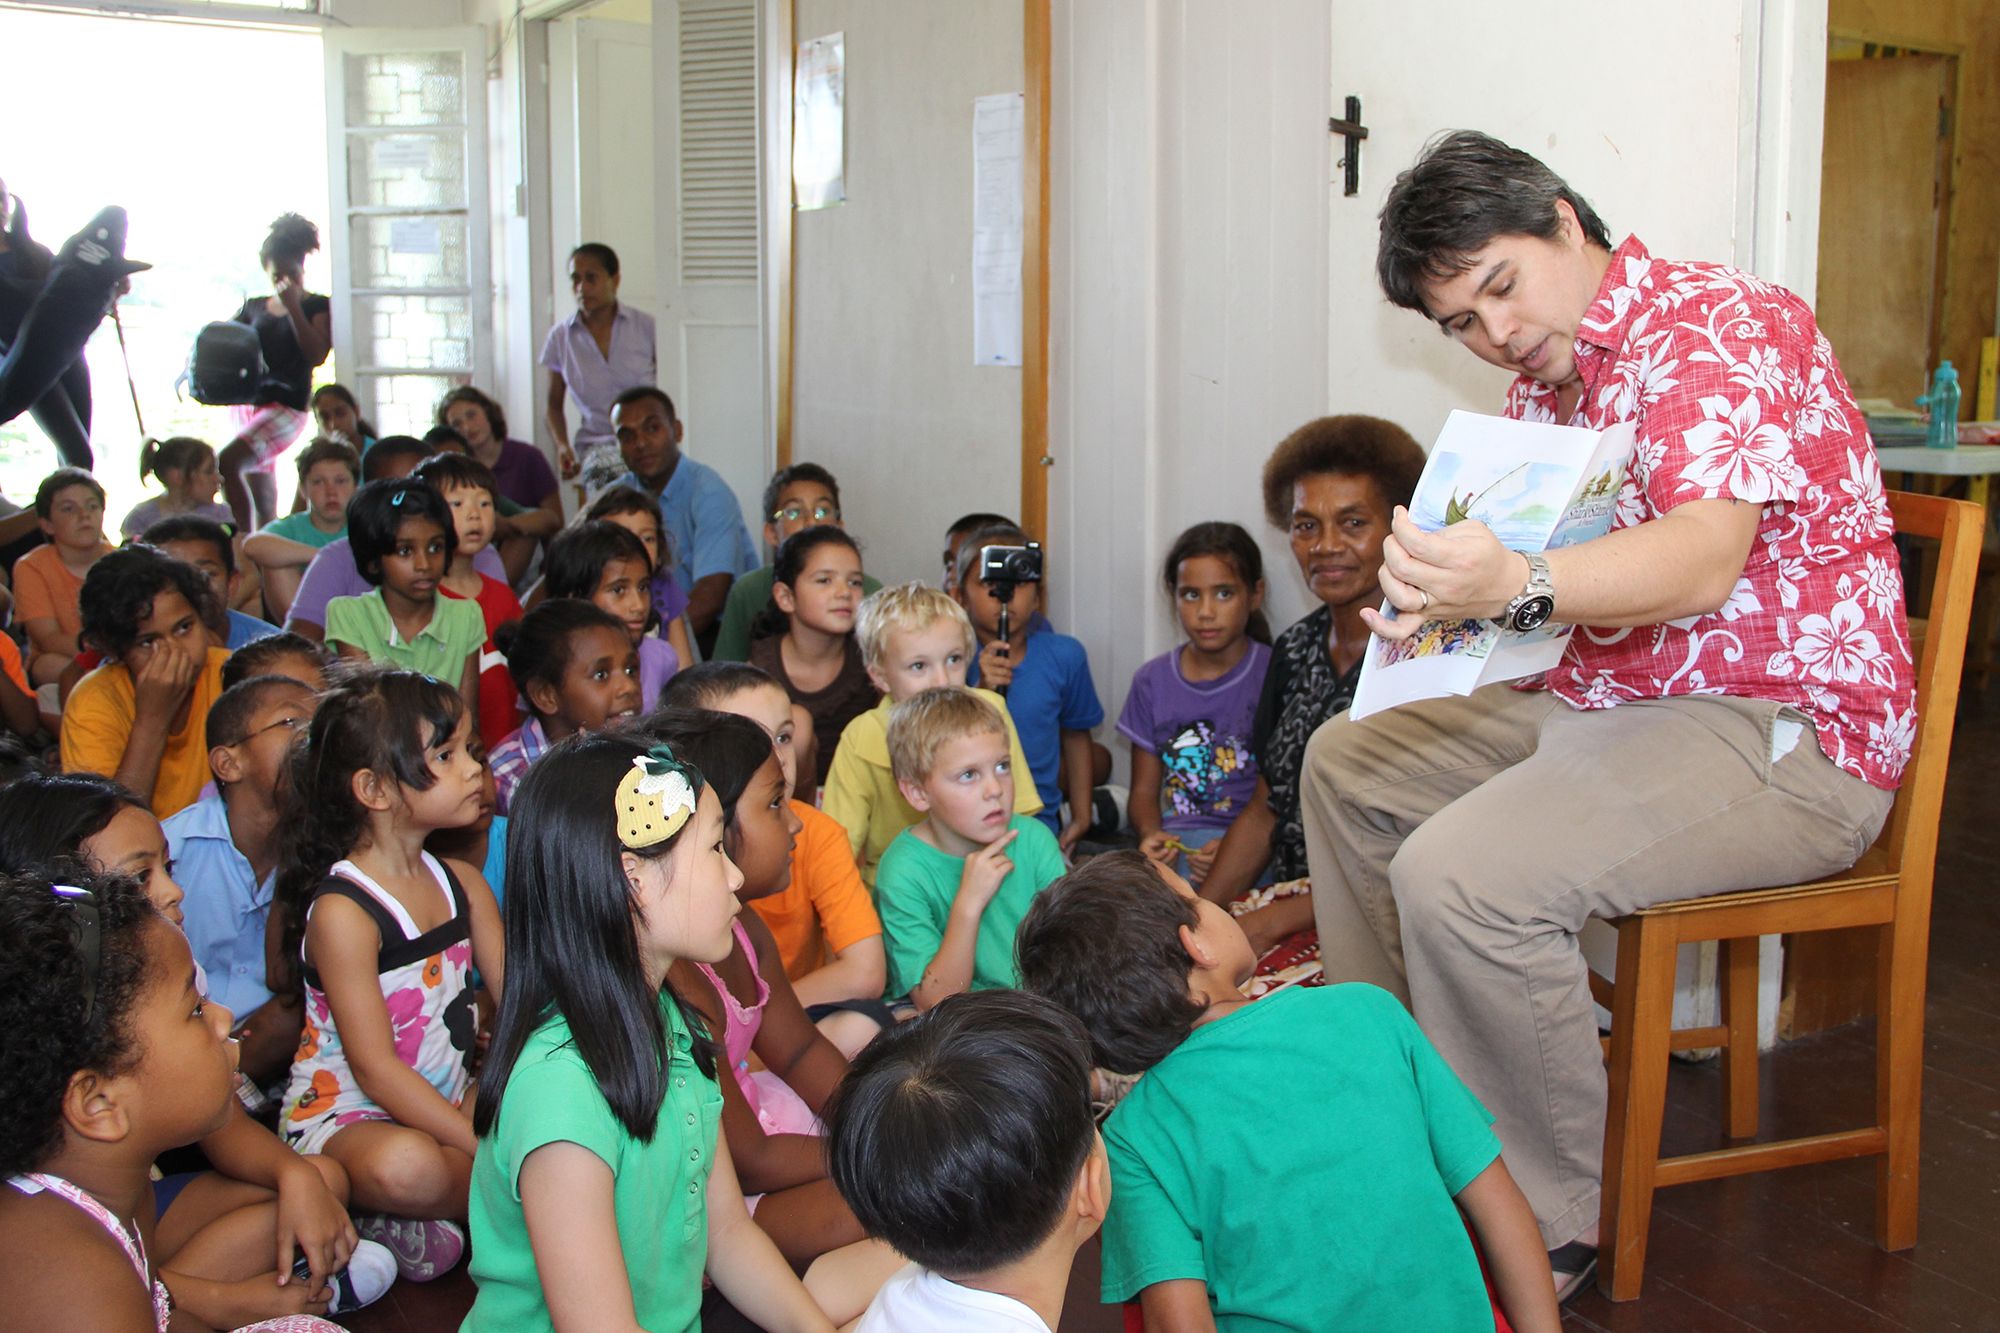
(654,139)
(412,286)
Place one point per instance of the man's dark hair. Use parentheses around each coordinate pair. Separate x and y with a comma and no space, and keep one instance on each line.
(257,657)
(785,476)
(118,593)
(1465,189)
(229,716)
(387,450)
(195,528)
(1346,446)
(601,252)
(642,392)
(379,510)
(1104,943)
(61,480)
(452,471)
(957,1137)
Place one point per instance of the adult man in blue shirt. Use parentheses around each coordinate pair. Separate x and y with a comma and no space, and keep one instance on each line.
(225,853)
(711,543)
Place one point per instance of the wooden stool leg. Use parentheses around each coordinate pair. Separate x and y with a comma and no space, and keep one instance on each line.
(1641,1026)
(1739,1015)
(1899,1073)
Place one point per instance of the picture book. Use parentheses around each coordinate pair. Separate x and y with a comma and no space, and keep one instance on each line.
(1536,486)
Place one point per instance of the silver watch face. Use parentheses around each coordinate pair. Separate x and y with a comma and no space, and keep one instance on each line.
(1533,613)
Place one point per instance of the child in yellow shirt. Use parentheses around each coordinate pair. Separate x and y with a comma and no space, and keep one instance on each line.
(913,637)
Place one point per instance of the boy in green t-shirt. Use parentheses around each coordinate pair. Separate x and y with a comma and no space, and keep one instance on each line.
(952,888)
(1328,1205)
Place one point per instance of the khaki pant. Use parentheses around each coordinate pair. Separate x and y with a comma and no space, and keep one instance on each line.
(1458,845)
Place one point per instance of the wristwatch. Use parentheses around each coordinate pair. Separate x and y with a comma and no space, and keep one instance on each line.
(1535,604)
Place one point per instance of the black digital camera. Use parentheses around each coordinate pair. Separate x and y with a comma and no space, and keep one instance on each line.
(1010,565)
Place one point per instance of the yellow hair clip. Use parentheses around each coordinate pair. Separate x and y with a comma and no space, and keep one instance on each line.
(655,797)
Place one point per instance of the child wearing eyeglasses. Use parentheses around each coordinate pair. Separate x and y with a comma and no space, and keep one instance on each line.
(798,497)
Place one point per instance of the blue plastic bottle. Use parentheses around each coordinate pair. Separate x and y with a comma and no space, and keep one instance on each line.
(1942,403)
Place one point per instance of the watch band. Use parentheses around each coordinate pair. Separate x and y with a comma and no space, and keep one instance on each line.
(1535,605)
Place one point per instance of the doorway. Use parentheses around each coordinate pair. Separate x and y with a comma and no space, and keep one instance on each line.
(200,178)
(1885,195)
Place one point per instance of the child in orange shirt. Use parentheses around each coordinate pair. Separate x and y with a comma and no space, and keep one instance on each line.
(824,922)
(48,581)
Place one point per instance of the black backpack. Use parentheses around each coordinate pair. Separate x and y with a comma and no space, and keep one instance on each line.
(226,365)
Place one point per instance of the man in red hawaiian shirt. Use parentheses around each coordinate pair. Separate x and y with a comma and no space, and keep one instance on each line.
(1734,710)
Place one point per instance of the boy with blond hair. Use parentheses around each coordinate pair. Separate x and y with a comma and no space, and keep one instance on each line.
(952,889)
(913,637)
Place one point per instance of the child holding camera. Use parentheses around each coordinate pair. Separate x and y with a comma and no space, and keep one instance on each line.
(1044,675)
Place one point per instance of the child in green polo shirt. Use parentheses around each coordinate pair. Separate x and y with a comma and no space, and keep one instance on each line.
(403,539)
(952,887)
(1329,1205)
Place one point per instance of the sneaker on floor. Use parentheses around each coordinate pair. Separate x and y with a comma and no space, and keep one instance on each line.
(366,1279)
(423,1250)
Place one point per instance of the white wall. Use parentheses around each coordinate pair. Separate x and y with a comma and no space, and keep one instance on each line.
(885,393)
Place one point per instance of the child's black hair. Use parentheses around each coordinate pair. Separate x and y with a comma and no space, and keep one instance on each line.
(957,1137)
(324,450)
(1104,943)
(578,555)
(291,238)
(118,593)
(61,480)
(706,685)
(797,472)
(47,817)
(728,749)
(257,657)
(387,450)
(791,563)
(447,440)
(229,716)
(345,395)
(629,499)
(451,471)
(45,1034)
(195,528)
(376,516)
(997,534)
(1227,542)
(176,453)
(602,253)
(571,947)
(373,718)
(537,646)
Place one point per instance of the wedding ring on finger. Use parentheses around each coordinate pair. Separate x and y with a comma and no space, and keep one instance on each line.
(1427,601)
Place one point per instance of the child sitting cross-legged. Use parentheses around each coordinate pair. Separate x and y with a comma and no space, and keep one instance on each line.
(953,888)
(769,1114)
(329,470)
(603,1187)
(1374,1130)
(913,638)
(576,669)
(965,1140)
(829,937)
(806,640)
(109,1058)
(383,937)
(1046,676)
(470,491)
(606,564)
(402,536)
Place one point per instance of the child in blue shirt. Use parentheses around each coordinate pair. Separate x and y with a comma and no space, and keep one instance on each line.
(1374,1131)
(1046,679)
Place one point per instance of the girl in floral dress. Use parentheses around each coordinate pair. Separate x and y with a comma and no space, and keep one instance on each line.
(383,936)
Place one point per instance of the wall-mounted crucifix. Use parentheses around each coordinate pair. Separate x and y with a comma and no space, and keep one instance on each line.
(1351,129)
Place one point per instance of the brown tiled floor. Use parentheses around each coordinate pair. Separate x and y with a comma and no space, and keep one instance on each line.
(1783,1251)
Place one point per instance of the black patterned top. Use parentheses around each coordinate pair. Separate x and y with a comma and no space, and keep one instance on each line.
(1303,689)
